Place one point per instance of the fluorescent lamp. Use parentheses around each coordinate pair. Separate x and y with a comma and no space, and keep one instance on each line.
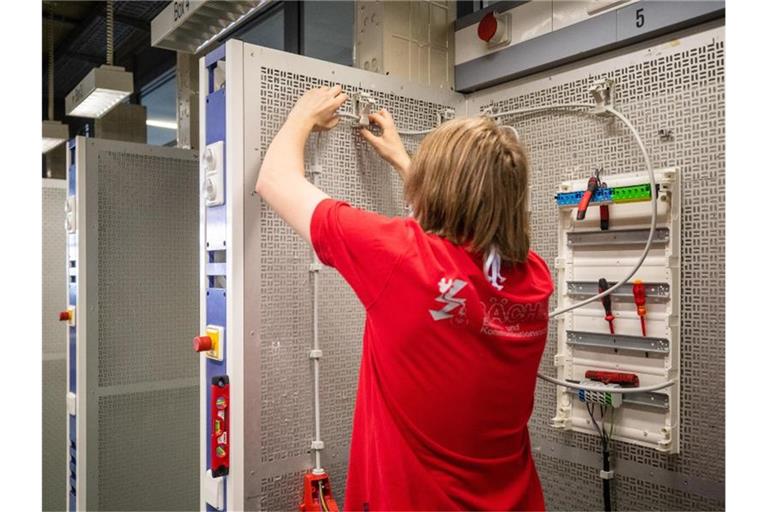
(54,133)
(160,123)
(99,92)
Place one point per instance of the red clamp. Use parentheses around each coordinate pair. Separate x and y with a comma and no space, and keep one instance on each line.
(317,494)
(638,290)
(624,379)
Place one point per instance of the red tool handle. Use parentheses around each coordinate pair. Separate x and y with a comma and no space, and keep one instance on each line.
(638,290)
(628,379)
(602,285)
(592,185)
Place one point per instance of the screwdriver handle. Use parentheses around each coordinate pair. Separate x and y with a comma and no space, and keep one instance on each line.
(602,285)
(581,211)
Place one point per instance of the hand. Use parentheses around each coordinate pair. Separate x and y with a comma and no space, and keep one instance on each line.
(316,109)
(388,145)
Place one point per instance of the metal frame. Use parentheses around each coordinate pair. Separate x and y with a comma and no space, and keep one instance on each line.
(83,180)
(243,63)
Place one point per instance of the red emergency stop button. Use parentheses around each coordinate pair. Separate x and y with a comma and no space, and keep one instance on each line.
(202,343)
(65,316)
(487,27)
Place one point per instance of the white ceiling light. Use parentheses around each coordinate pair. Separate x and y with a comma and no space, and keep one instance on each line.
(160,123)
(192,25)
(104,87)
(54,133)
(99,92)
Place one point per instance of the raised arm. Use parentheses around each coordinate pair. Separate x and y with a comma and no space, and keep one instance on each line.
(388,145)
(281,181)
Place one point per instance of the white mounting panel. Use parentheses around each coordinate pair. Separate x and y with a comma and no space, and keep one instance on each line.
(647,424)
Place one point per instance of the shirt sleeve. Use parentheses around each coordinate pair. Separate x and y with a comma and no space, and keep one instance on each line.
(364,247)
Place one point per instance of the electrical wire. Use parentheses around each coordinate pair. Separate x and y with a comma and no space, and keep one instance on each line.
(347,115)
(580,107)
(651,178)
(651,232)
(322,496)
(602,389)
(315,275)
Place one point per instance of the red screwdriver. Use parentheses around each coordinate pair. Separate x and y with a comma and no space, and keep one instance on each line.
(602,285)
(638,290)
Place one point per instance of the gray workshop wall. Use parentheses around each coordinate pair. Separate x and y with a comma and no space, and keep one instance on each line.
(54,346)
(675,84)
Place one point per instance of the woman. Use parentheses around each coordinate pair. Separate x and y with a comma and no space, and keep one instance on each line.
(456,309)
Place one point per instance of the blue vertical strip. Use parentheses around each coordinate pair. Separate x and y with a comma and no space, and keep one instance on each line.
(72,259)
(216,219)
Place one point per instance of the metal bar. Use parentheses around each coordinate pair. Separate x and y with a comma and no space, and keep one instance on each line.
(618,341)
(627,236)
(594,35)
(649,399)
(654,292)
(631,469)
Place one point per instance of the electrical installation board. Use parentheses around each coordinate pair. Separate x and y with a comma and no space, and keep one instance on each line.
(131,222)
(632,340)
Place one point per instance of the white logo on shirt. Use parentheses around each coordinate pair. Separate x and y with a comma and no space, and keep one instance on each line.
(448,290)
(502,317)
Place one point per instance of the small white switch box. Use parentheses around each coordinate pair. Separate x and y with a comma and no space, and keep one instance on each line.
(71,404)
(70,214)
(213,167)
(214,490)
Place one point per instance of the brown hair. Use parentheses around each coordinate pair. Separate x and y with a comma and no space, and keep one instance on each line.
(468,183)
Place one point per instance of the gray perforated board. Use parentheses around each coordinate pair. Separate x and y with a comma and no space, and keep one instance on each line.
(54,346)
(278,451)
(676,85)
(137,394)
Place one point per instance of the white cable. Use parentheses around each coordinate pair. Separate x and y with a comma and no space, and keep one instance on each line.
(347,115)
(576,385)
(315,275)
(414,132)
(648,242)
(651,178)
(651,233)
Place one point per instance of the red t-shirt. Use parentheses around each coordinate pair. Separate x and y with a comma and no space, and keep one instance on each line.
(448,367)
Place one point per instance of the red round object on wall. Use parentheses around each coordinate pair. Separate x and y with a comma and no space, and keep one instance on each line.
(202,343)
(65,316)
(487,27)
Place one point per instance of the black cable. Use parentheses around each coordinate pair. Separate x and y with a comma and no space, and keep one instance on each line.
(606,455)
(606,465)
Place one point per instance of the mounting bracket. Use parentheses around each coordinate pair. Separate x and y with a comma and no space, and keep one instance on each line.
(362,105)
(602,92)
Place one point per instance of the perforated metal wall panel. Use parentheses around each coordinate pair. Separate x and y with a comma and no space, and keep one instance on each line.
(676,86)
(351,171)
(138,392)
(54,346)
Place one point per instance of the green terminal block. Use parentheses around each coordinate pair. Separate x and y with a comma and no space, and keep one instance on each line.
(631,194)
